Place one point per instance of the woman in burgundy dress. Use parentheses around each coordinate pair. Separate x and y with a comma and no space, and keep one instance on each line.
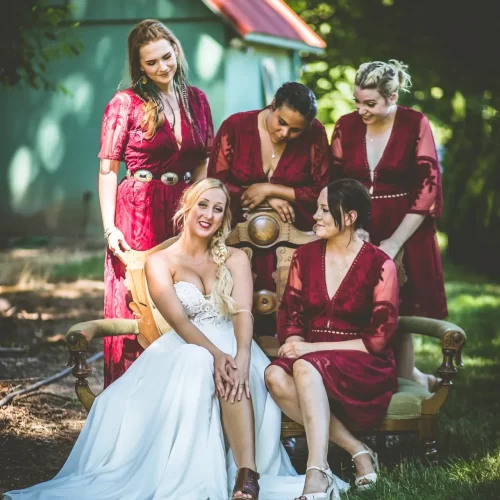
(279,155)
(391,150)
(162,129)
(336,321)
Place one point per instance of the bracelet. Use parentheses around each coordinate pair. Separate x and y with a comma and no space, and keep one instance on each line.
(108,231)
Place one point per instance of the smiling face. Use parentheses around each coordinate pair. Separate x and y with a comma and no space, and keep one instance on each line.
(158,61)
(371,106)
(285,124)
(207,214)
(326,227)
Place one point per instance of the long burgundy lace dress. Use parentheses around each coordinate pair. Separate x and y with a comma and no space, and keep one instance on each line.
(304,166)
(144,211)
(407,180)
(365,306)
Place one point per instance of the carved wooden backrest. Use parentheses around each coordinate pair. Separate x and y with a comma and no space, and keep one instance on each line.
(264,228)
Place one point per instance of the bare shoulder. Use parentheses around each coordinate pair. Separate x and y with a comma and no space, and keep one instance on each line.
(237,258)
(159,264)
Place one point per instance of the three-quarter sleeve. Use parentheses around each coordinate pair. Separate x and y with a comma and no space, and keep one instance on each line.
(337,152)
(291,320)
(208,136)
(221,162)
(115,127)
(426,192)
(320,167)
(384,318)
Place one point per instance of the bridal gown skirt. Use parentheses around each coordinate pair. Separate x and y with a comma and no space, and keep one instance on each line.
(156,433)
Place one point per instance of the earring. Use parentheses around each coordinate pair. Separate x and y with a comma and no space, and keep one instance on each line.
(144,79)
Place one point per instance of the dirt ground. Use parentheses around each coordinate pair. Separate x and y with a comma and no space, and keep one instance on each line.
(37,430)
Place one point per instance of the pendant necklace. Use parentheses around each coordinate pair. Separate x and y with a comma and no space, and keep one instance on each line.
(165,99)
(273,155)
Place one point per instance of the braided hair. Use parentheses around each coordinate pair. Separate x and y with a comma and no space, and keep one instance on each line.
(386,78)
(217,248)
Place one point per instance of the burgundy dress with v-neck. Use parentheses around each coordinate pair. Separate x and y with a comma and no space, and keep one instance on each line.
(365,306)
(304,166)
(144,211)
(406,180)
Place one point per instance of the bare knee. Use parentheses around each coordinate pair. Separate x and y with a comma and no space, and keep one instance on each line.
(277,380)
(302,368)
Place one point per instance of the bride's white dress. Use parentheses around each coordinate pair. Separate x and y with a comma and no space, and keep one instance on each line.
(156,432)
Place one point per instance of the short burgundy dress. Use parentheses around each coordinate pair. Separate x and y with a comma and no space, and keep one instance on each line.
(144,210)
(407,180)
(365,306)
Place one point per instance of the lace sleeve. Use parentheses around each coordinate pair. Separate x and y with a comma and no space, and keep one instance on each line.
(115,127)
(209,125)
(384,320)
(426,193)
(291,310)
(221,162)
(320,167)
(337,153)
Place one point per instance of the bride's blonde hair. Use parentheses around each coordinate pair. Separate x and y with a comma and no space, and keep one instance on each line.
(217,248)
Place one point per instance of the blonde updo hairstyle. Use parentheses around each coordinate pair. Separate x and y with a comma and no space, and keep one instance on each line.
(217,248)
(385,78)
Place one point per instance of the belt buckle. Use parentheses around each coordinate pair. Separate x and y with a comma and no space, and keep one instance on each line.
(143,175)
(169,178)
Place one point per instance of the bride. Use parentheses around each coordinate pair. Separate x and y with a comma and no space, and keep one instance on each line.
(191,419)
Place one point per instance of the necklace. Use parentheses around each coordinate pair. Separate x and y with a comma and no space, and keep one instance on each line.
(273,155)
(165,99)
(199,263)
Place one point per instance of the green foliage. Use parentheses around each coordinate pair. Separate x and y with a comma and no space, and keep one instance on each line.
(34,33)
(451,48)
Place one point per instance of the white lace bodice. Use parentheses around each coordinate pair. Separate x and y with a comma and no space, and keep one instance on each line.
(201,309)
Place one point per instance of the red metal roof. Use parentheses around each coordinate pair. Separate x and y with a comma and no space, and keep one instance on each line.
(267,17)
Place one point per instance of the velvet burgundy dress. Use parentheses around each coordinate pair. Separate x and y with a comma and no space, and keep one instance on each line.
(407,180)
(144,210)
(304,166)
(365,306)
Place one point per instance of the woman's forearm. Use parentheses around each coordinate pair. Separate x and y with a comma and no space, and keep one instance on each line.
(192,335)
(108,184)
(409,224)
(243,331)
(282,192)
(343,345)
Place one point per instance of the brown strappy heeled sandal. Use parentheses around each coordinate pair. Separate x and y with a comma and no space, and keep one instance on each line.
(247,481)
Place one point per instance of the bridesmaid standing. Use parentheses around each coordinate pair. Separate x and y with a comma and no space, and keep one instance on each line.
(391,150)
(162,129)
(278,154)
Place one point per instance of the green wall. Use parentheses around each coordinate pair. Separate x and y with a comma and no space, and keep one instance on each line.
(50,141)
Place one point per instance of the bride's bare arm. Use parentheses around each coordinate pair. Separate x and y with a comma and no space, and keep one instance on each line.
(162,291)
(239,266)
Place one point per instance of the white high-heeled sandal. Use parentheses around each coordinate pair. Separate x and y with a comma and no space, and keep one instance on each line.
(367,481)
(332,492)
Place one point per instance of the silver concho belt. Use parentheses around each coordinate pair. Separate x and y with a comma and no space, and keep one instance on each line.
(168,178)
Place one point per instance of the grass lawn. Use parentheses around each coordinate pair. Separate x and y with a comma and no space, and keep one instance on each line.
(469,440)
